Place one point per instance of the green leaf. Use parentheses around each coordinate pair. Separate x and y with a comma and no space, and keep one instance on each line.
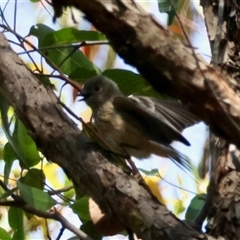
(195,206)
(81,208)
(91,231)
(35,197)
(70,193)
(4,107)
(15,220)
(153,172)
(169,7)
(26,147)
(130,82)
(21,143)
(68,58)
(81,74)
(5,195)
(71,35)
(73,238)
(45,81)
(4,235)
(166,6)
(34,178)
(40,31)
(8,156)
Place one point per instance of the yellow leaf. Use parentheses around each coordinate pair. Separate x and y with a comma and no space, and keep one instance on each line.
(51,172)
(86,114)
(153,184)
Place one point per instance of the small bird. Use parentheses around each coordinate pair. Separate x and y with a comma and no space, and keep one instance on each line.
(136,126)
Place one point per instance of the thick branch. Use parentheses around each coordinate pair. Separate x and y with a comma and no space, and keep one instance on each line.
(165,62)
(61,141)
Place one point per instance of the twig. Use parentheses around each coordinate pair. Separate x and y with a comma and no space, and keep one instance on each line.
(71,82)
(15,16)
(71,227)
(20,203)
(60,233)
(68,56)
(61,190)
(83,44)
(48,234)
(174,185)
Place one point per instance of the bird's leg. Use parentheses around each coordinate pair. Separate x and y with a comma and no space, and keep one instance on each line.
(133,166)
(130,234)
(137,175)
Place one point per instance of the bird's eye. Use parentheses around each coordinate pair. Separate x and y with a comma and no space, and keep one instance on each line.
(96,88)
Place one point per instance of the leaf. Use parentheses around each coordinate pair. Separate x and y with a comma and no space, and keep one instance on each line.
(81,207)
(45,81)
(67,59)
(71,193)
(35,197)
(34,178)
(4,235)
(130,82)
(91,230)
(4,107)
(153,184)
(26,147)
(153,172)
(73,238)
(169,7)
(51,171)
(71,35)
(21,143)
(178,206)
(5,195)
(81,74)
(195,206)
(8,156)
(15,220)
(40,31)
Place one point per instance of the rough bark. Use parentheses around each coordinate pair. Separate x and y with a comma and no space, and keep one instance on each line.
(223,29)
(61,142)
(165,62)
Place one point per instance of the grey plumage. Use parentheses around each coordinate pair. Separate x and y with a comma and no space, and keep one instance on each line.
(137,125)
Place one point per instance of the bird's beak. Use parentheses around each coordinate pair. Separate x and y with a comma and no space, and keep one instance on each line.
(84,96)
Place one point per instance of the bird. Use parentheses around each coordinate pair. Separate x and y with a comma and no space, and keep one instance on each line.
(137,126)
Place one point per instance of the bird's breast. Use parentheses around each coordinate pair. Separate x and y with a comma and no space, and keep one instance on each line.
(119,133)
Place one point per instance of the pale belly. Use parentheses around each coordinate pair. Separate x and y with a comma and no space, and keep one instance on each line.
(121,136)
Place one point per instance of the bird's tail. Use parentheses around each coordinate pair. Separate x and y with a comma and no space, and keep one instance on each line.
(167,151)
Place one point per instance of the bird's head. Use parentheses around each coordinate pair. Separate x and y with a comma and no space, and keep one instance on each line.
(97,90)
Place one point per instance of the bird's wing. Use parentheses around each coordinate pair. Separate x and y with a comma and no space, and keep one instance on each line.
(172,112)
(156,125)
